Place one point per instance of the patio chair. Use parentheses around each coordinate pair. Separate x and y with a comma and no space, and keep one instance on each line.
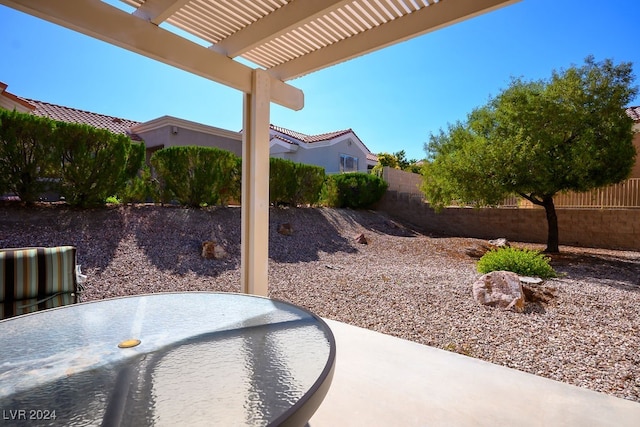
(37,278)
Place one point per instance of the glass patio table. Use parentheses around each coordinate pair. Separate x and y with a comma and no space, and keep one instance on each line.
(192,358)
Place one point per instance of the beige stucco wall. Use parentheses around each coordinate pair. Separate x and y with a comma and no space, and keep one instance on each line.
(326,155)
(598,228)
(165,136)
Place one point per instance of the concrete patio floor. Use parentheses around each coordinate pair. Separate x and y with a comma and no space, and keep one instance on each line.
(381,380)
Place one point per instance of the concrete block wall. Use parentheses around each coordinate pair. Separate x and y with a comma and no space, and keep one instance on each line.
(597,228)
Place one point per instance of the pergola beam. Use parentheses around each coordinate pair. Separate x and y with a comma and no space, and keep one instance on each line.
(158,11)
(425,20)
(112,25)
(281,21)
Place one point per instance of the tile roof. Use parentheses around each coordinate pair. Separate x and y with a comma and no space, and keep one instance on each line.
(634,113)
(73,115)
(310,138)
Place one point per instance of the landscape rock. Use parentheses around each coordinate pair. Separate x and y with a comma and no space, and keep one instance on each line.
(499,289)
(360,238)
(500,243)
(285,229)
(480,249)
(539,292)
(212,250)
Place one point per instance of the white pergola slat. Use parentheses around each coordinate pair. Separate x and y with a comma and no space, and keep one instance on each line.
(285,39)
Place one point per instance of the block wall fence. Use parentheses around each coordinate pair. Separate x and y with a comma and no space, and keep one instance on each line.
(596,228)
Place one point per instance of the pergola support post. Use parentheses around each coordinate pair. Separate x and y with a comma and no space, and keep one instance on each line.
(254,258)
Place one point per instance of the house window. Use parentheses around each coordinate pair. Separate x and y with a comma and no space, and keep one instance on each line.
(348,163)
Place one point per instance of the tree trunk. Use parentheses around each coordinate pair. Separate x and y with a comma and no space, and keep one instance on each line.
(552,224)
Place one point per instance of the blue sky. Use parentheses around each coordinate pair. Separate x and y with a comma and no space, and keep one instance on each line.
(393,99)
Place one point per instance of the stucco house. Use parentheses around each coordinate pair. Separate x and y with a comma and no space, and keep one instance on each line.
(340,151)
(336,152)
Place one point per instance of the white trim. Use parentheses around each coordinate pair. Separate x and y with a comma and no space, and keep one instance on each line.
(164,121)
(291,148)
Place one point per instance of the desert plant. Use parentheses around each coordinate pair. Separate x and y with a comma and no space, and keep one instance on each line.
(524,262)
(352,190)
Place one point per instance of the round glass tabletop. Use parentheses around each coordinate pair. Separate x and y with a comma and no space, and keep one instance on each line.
(165,359)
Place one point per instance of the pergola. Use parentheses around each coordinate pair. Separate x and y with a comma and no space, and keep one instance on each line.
(285,39)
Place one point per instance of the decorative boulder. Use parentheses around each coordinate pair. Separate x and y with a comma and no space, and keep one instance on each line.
(480,249)
(285,229)
(360,238)
(499,289)
(212,250)
(500,243)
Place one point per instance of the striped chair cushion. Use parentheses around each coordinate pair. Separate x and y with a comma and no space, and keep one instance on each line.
(34,279)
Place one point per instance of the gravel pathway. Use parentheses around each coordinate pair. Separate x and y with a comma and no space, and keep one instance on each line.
(402,283)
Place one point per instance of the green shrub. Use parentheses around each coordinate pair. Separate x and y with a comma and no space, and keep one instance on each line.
(524,262)
(141,188)
(352,190)
(94,163)
(113,200)
(282,181)
(294,183)
(27,161)
(309,181)
(197,176)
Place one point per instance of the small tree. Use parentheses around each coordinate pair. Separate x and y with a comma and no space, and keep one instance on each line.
(538,138)
(397,160)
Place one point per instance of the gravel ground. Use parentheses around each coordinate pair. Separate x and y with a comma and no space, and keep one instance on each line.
(403,282)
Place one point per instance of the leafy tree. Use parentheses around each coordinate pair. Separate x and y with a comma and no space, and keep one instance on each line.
(538,138)
(397,160)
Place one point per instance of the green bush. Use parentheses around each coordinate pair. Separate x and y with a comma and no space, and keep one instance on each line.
(309,182)
(197,176)
(27,160)
(141,188)
(94,163)
(352,190)
(524,262)
(294,183)
(282,181)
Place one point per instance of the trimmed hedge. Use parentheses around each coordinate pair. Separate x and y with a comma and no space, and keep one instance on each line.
(84,164)
(197,176)
(95,163)
(352,190)
(282,181)
(309,182)
(294,184)
(27,158)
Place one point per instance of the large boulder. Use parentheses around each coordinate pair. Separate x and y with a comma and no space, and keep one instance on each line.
(499,289)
